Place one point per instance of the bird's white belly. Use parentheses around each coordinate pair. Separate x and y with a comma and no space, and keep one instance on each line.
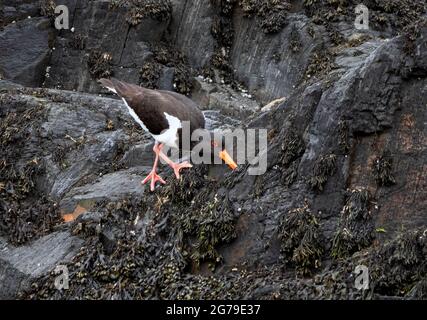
(167,137)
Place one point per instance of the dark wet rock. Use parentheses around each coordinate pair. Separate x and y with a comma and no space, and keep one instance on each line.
(113,186)
(345,179)
(265,64)
(19,266)
(25,51)
(199,46)
(224,99)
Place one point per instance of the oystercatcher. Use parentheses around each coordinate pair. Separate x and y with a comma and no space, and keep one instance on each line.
(161,113)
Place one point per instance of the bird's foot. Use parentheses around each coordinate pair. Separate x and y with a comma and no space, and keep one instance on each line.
(178,166)
(154,177)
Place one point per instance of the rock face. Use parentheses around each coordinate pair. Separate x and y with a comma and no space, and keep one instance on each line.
(25,51)
(345,183)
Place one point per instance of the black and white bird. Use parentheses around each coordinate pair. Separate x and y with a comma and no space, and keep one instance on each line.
(161,113)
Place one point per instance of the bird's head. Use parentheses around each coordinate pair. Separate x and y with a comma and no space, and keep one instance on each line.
(215,147)
(219,151)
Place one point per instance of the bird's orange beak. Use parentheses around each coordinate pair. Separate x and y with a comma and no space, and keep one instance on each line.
(227,159)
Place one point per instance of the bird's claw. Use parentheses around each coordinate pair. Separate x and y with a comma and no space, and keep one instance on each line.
(154,177)
(178,166)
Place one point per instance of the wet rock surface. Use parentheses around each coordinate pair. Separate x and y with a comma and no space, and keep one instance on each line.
(345,184)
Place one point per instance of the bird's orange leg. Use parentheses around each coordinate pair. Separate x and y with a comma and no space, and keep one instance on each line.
(175,166)
(153,176)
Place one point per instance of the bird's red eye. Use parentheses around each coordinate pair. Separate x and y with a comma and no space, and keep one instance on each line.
(214,144)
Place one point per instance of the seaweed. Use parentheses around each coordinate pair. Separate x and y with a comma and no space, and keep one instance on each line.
(200,214)
(223,33)
(319,64)
(166,55)
(99,64)
(47,8)
(25,214)
(292,148)
(21,222)
(129,256)
(160,10)
(77,42)
(215,225)
(382,13)
(356,228)
(411,33)
(271,14)
(324,167)
(397,266)
(149,75)
(300,237)
(383,170)
(343,132)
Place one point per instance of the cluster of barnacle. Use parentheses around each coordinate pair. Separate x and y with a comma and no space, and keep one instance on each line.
(292,148)
(383,170)
(398,265)
(356,228)
(99,64)
(160,10)
(324,167)
(300,237)
(271,14)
